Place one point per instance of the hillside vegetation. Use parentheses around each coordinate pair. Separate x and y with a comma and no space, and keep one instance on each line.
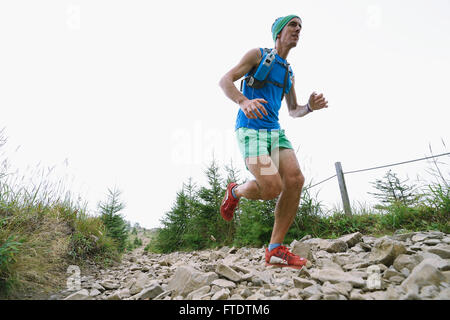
(43,231)
(194,221)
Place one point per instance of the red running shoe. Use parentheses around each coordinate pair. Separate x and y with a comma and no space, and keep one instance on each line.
(229,203)
(282,257)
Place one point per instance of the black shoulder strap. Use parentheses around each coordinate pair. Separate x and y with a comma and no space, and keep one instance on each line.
(286,75)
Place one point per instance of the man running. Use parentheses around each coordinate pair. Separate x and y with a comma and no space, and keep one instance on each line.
(268,154)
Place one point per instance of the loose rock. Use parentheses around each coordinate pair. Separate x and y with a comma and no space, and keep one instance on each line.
(407,265)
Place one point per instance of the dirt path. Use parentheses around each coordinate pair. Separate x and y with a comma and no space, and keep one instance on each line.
(404,266)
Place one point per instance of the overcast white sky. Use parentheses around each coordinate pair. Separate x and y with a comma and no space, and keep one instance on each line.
(125,93)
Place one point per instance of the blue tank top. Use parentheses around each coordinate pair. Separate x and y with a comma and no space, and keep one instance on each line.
(271,93)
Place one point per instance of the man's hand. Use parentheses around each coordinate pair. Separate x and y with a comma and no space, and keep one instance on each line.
(317,102)
(251,108)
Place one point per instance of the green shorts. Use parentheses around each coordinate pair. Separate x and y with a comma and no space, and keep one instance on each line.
(253,143)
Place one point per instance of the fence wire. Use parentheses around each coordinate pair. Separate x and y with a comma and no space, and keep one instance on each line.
(380,167)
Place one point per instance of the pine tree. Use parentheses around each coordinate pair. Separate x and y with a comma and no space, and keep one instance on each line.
(233,173)
(171,236)
(393,191)
(179,228)
(115,224)
(207,221)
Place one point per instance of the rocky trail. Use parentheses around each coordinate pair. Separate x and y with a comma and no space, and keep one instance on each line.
(412,265)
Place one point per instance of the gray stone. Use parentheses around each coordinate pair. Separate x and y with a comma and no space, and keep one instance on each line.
(227,272)
(369,239)
(114,296)
(403,236)
(316,296)
(242,269)
(196,294)
(304,273)
(407,261)
(441,252)
(358,265)
(94,292)
(432,242)
(419,237)
(351,239)
(325,263)
(377,295)
(141,281)
(333,246)
(224,283)
(385,251)
(315,243)
(447,276)
(135,267)
(187,279)
(302,283)
(423,274)
(335,276)
(310,291)
(329,289)
(365,246)
(411,296)
(397,279)
(150,292)
(264,276)
(435,260)
(83,294)
(393,293)
(429,292)
(124,293)
(302,249)
(391,272)
(110,284)
(343,288)
(333,296)
(444,294)
(257,281)
(97,286)
(246,292)
(308,236)
(356,295)
(163,295)
(405,272)
(256,296)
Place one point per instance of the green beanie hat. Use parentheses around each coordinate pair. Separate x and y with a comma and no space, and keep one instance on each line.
(279,24)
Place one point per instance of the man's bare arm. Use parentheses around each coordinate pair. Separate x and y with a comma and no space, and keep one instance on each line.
(251,108)
(315,102)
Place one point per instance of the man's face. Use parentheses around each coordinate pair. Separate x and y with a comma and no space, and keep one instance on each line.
(291,32)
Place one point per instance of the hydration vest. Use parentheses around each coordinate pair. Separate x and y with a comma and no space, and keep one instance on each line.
(252,82)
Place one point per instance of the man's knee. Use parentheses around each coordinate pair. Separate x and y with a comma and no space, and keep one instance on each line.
(271,189)
(294,182)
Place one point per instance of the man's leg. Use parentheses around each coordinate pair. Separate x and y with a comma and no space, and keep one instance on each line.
(287,204)
(267,184)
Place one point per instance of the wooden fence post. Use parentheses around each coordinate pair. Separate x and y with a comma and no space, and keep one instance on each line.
(343,188)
